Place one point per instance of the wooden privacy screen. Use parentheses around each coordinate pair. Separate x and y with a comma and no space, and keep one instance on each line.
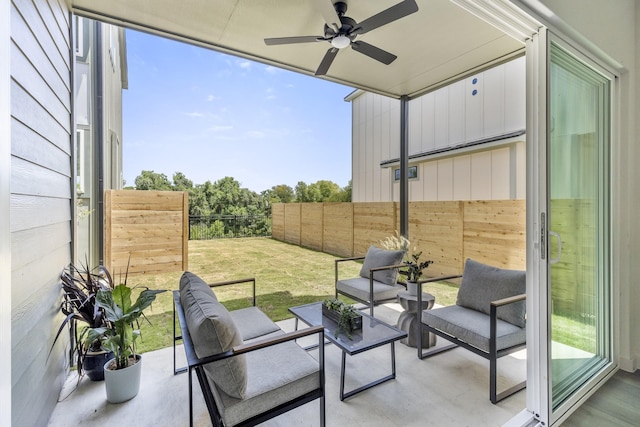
(492,232)
(151,227)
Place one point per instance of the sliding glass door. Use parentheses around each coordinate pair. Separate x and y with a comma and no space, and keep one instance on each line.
(578,221)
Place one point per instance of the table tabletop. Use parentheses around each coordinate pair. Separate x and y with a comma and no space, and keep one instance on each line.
(374,332)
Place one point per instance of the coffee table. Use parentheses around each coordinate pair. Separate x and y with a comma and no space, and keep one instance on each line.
(374,333)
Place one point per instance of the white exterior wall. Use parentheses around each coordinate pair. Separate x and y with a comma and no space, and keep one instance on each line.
(36,196)
(486,105)
(376,136)
(40,202)
(113,76)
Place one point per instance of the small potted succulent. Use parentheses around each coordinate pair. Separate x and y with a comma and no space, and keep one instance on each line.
(344,314)
(122,373)
(79,289)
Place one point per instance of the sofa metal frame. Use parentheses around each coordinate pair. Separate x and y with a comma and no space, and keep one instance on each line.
(195,363)
(492,355)
(372,302)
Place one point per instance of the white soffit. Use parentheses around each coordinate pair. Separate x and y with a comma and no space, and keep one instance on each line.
(435,44)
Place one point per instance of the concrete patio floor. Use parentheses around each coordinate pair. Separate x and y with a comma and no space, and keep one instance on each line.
(450,389)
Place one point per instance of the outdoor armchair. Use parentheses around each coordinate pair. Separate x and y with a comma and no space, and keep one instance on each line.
(248,369)
(487,319)
(378,280)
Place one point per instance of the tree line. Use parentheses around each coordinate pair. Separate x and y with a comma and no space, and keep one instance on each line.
(226,196)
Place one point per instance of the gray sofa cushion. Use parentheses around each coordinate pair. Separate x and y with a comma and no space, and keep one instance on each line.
(472,327)
(213,331)
(482,284)
(377,257)
(253,323)
(269,385)
(189,279)
(358,287)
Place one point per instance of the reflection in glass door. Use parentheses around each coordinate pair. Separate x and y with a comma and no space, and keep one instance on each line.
(579,232)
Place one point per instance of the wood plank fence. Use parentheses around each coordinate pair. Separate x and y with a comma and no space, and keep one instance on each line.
(492,232)
(151,227)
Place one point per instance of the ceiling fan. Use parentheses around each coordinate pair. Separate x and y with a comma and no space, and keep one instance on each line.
(341,31)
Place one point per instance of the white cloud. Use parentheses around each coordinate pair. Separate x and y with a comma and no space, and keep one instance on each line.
(220,128)
(255,134)
(212,98)
(271,70)
(245,65)
(194,114)
(271,93)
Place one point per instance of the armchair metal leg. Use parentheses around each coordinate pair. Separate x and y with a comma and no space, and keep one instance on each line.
(493,384)
(432,351)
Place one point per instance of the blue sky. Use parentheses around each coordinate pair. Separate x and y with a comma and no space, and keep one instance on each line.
(211,115)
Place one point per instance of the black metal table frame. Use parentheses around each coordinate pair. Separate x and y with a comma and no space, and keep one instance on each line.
(329,338)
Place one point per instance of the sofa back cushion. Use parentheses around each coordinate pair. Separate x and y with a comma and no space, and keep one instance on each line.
(213,331)
(483,283)
(377,257)
(189,279)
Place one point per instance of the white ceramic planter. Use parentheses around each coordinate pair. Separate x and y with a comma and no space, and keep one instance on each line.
(122,384)
(412,288)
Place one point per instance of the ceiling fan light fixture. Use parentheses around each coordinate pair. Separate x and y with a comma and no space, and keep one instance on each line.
(340,42)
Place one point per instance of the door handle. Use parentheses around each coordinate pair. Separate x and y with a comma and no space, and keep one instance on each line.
(556,259)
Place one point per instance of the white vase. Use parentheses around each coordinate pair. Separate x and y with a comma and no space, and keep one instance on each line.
(122,384)
(412,288)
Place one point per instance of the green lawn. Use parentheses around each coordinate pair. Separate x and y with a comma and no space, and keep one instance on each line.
(286,276)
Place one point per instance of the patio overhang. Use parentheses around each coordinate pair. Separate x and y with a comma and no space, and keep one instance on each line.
(443,41)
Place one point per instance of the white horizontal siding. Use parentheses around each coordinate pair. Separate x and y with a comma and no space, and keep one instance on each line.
(41,183)
(5,225)
(29,211)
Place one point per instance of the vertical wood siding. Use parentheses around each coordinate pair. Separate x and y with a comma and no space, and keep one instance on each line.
(40,202)
(486,105)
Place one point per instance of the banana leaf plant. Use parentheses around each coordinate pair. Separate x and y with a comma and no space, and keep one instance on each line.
(79,289)
(122,325)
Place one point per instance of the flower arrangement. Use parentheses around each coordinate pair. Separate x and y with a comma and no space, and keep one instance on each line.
(414,267)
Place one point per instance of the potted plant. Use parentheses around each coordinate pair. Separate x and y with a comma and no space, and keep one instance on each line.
(344,314)
(122,373)
(414,270)
(79,289)
(414,266)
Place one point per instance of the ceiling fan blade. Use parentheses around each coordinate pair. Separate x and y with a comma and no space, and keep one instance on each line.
(328,12)
(289,40)
(400,10)
(327,61)
(373,52)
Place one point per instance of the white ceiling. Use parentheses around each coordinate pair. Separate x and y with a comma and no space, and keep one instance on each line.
(439,42)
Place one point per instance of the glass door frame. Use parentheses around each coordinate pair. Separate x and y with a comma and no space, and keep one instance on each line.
(538,271)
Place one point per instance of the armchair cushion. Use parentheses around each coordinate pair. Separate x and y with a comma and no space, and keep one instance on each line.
(377,257)
(213,331)
(276,375)
(472,327)
(358,287)
(482,284)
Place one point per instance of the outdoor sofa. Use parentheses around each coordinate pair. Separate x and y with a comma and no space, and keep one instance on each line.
(488,318)
(249,370)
